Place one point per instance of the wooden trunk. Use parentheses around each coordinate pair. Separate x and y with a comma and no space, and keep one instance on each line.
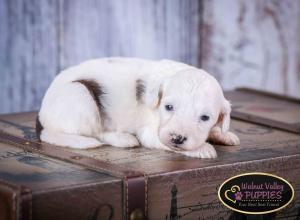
(41,181)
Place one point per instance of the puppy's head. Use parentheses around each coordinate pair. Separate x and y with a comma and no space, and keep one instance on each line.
(190,103)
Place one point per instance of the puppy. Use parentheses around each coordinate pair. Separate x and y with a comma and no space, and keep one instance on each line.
(125,102)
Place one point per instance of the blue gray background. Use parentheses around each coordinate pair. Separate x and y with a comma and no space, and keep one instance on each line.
(242,43)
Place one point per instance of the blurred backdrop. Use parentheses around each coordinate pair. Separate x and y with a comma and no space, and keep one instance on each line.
(242,43)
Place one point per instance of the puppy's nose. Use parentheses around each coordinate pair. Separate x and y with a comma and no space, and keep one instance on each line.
(178,139)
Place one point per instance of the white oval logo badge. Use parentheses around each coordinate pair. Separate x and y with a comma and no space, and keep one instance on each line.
(256,193)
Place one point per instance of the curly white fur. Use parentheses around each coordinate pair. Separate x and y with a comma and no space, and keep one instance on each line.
(70,115)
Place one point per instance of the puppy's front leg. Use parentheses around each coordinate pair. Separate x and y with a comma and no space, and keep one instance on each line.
(148,138)
(119,139)
(218,137)
(205,151)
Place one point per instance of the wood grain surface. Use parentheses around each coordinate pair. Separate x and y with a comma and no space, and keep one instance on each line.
(39,38)
(258,142)
(61,190)
(28,52)
(262,149)
(242,43)
(253,44)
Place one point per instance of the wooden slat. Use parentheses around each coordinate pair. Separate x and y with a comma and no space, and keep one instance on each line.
(243,43)
(28,57)
(147,29)
(253,44)
(39,38)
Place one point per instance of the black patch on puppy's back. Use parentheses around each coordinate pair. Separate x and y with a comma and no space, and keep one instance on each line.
(96,91)
(139,90)
(38,128)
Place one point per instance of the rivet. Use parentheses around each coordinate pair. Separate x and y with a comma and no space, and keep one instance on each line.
(136,214)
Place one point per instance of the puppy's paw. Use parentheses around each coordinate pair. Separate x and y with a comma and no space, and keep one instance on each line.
(148,138)
(118,139)
(205,151)
(227,138)
(231,139)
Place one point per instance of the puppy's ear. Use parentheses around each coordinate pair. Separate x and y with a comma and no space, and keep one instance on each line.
(224,116)
(153,95)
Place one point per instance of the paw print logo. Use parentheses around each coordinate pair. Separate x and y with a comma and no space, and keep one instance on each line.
(238,196)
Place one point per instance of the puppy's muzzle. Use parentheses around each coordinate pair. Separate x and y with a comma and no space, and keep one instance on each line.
(178,139)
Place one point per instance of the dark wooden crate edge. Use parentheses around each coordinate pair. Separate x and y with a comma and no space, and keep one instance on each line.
(267,93)
(238,164)
(260,120)
(134,203)
(16,202)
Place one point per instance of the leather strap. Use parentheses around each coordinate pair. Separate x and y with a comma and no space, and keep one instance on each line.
(135,182)
(26,203)
(135,197)
(15,202)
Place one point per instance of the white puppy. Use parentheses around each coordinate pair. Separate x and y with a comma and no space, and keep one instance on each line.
(125,102)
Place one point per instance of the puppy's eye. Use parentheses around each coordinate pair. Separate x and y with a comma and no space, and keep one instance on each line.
(204,117)
(169,107)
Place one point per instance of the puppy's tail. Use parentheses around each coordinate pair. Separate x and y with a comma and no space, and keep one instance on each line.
(69,140)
